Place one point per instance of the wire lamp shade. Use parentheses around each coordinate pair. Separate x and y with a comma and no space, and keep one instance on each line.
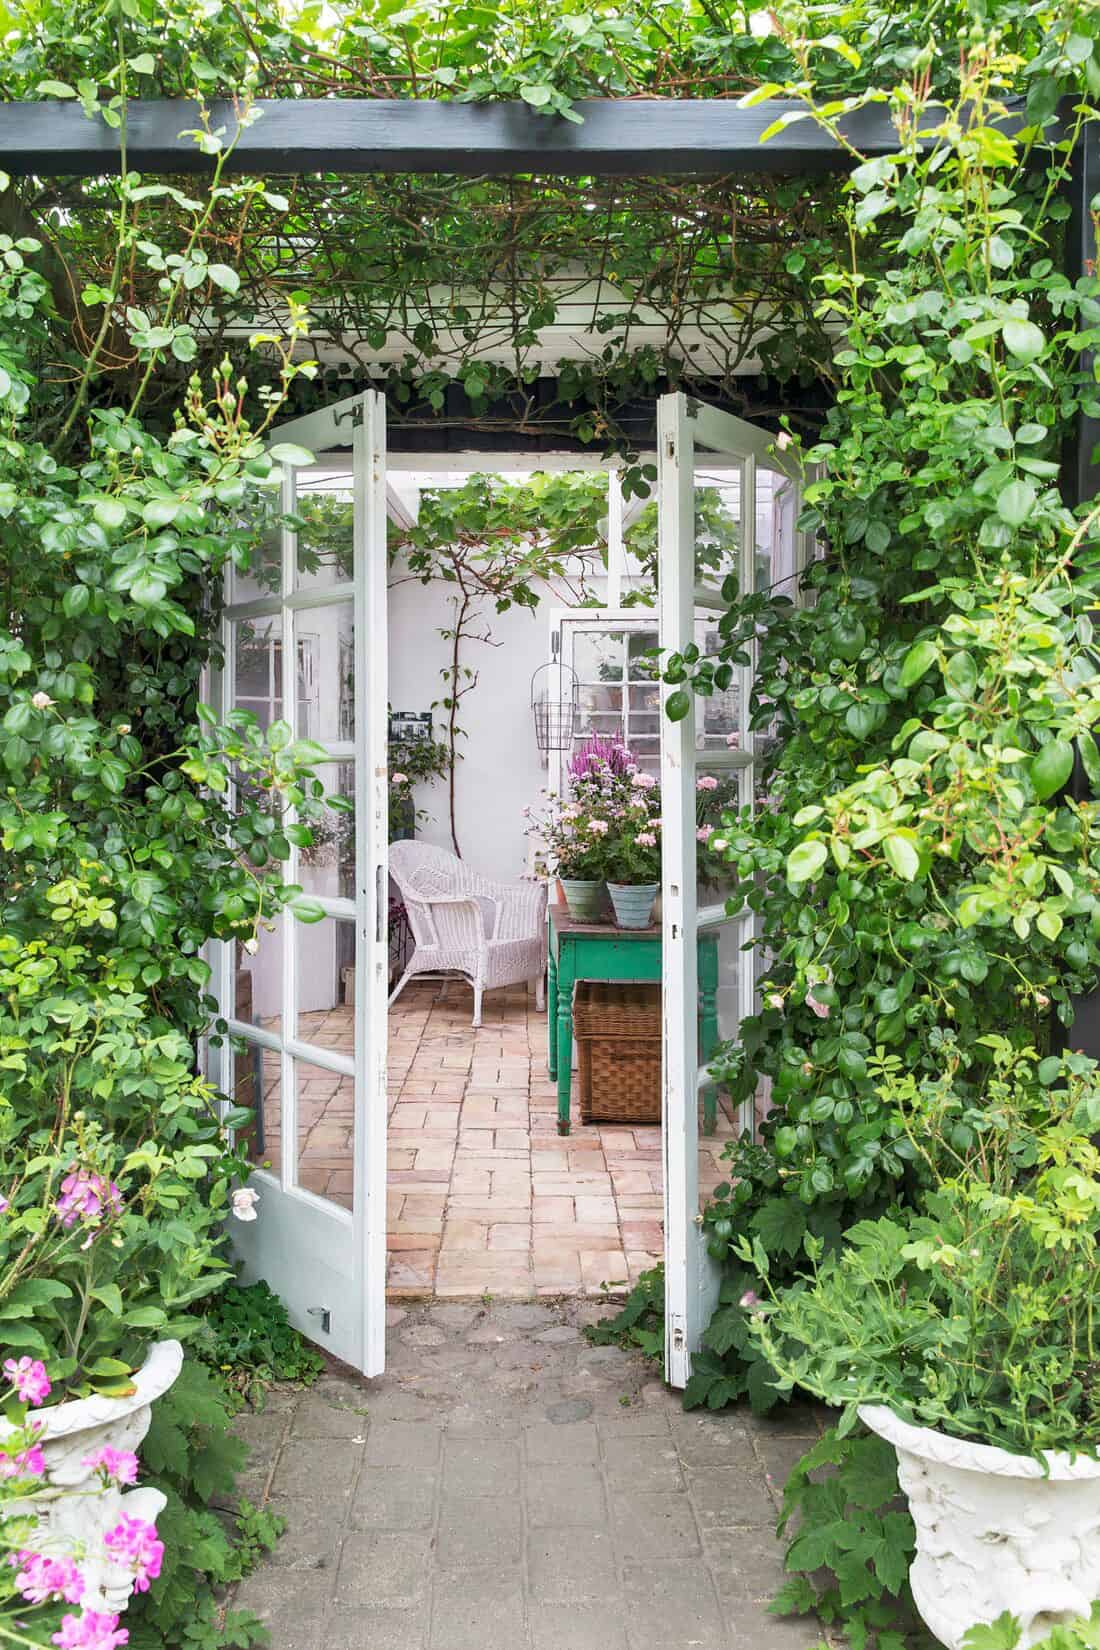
(554,706)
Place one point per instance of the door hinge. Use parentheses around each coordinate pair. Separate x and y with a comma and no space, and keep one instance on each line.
(325,1316)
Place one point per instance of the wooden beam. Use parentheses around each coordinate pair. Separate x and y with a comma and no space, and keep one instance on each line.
(618,137)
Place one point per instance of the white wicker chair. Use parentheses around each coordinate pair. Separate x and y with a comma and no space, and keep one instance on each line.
(492,933)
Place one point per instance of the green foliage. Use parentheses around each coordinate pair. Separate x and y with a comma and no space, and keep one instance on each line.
(248,1338)
(191,1456)
(1005,1634)
(641,1323)
(976,1312)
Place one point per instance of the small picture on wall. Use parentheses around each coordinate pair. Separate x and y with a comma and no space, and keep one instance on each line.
(410,727)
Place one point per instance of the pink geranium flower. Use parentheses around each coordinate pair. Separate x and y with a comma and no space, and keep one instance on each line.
(27,1463)
(706,782)
(118,1465)
(90,1631)
(133,1543)
(646,839)
(29,1379)
(704,833)
(43,1580)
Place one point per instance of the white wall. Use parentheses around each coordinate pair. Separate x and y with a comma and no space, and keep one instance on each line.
(501,771)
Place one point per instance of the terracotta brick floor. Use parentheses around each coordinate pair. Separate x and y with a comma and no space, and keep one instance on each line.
(484,1196)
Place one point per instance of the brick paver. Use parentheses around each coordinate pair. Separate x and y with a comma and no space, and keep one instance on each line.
(507,1486)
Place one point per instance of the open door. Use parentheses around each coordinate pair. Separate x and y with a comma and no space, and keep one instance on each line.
(728,507)
(304,640)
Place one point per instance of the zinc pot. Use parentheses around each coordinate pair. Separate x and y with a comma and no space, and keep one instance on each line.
(995,1531)
(584,897)
(73,1509)
(633,902)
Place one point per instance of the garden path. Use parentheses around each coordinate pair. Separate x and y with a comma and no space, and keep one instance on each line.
(484,1195)
(507,1486)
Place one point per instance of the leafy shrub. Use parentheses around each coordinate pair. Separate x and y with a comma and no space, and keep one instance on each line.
(248,1338)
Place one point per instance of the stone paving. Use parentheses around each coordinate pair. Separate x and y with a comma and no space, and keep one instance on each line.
(483,1193)
(507,1486)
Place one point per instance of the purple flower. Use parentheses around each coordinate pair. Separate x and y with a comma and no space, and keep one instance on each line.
(121,1465)
(29,1379)
(598,758)
(42,1580)
(90,1631)
(133,1543)
(88,1197)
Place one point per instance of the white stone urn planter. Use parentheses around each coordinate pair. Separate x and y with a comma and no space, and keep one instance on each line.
(73,1508)
(994,1532)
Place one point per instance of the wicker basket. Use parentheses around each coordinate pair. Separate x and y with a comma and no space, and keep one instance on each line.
(618,1032)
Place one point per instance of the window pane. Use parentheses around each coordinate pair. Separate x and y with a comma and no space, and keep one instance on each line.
(324,955)
(259,981)
(258,665)
(326,672)
(326,1121)
(717,524)
(325,547)
(776,535)
(643,663)
(328,867)
(263,575)
(257,1086)
(597,655)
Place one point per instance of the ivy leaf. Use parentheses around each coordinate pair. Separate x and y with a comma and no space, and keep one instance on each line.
(1051,768)
(805,861)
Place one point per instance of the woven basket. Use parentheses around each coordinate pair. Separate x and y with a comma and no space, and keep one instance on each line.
(618,1032)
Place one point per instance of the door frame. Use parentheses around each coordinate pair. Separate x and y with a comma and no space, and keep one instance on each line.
(297,1228)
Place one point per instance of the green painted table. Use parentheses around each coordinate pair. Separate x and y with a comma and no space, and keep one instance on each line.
(600,951)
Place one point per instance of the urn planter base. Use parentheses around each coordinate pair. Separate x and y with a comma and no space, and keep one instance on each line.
(993,1532)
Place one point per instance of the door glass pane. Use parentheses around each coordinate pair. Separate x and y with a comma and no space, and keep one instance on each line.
(723,970)
(776,535)
(326,672)
(326,1121)
(643,663)
(324,955)
(717,522)
(328,867)
(259,981)
(597,655)
(257,1085)
(325,545)
(258,666)
(718,797)
(263,575)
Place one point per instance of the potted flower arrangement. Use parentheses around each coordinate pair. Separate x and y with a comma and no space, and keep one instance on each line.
(633,853)
(966,1331)
(575,831)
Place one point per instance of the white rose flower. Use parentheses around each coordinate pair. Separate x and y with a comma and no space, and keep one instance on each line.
(244,1202)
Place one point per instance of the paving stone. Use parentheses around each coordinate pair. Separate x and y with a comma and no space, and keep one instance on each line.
(488,1530)
(403,1444)
(312,1469)
(747,1565)
(383,1569)
(548,1444)
(660,1525)
(672,1606)
(568,1494)
(478,1611)
(423,1335)
(705,1443)
(567,1627)
(289,1603)
(568,1410)
(642,1464)
(317,1418)
(559,1334)
(453,1316)
(375,1629)
(312,1537)
(394,1498)
(571,1565)
(723,1499)
(523,1317)
(480,1466)
(263,1434)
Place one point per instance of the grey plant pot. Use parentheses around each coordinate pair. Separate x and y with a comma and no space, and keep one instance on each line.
(583,896)
(633,902)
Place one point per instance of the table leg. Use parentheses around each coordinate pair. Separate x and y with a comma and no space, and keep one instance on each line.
(708,1026)
(565,1037)
(552,1015)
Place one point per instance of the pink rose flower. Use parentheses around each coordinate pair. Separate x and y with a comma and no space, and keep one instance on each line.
(704,833)
(820,1009)
(29,1379)
(399,779)
(706,782)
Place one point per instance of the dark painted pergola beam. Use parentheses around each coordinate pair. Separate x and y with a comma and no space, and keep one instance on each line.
(619,137)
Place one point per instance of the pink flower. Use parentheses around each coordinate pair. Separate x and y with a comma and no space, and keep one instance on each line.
(87,1196)
(133,1543)
(5,1205)
(775,1000)
(90,1631)
(704,833)
(399,779)
(820,1009)
(121,1465)
(41,1579)
(646,839)
(644,781)
(28,1463)
(29,1379)
(733,741)
(706,782)
(598,827)
(749,1299)
(719,844)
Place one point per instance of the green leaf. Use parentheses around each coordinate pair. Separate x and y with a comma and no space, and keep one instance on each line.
(902,855)
(1023,339)
(226,278)
(285,452)
(1002,1634)
(917,662)
(143,63)
(677,705)
(1016,502)
(805,861)
(55,88)
(1051,768)
(110,1296)
(536,94)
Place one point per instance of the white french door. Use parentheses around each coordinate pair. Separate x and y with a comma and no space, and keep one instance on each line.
(728,508)
(304,641)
